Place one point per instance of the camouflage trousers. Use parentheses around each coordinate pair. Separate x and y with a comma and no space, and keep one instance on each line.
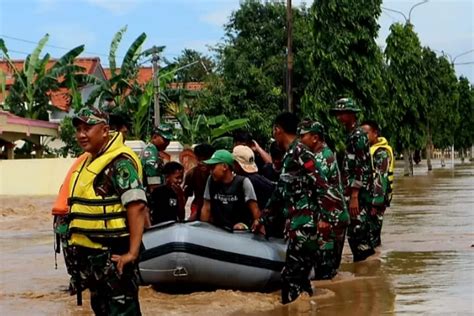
(375,223)
(358,234)
(328,258)
(300,259)
(111,293)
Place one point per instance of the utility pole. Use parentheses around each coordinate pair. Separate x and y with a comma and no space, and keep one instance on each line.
(156,84)
(289,75)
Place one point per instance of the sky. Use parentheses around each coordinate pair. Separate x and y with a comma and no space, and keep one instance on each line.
(444,25)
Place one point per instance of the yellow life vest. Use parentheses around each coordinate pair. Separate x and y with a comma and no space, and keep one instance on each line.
(382,143)
(92,216)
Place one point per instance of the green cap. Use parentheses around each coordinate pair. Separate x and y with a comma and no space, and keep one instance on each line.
(345,105)
(164,130)
(90,116)
(308,126)
(221,156)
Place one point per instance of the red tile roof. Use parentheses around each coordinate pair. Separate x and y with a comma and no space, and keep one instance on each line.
(145,74)
(60,98)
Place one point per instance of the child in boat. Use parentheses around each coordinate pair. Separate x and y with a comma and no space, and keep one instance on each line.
(168,199)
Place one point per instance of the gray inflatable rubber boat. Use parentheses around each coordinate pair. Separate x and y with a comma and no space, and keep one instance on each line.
(199,255)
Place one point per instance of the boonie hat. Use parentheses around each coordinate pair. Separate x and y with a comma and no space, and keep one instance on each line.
(345,105)
(90,116)
(245,158)
(220,156)
(164,130)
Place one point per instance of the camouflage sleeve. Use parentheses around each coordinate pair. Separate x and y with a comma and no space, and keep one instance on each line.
(152,166)
(307,161)
(358,160)
(331,201)
(381,182)
(126,181)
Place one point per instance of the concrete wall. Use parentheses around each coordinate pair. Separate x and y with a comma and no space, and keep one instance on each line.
(33,176)
(44,176)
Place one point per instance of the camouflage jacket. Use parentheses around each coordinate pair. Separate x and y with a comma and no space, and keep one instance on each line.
(381,160)
(152,166)
(357,169)
(332,206)
(296,189)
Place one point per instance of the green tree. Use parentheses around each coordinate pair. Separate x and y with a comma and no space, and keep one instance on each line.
(122,83)
(406,90)
(67,134)
(251,62)
(345,59)
(442,101)
(199,128)
(193,65)
(29,96)
(464,135)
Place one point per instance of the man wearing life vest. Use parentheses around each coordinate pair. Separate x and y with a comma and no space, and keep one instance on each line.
(357,179)
(118,122)
(107,206)
(382,165)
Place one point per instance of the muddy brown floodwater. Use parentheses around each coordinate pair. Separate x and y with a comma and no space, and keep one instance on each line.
(425,265)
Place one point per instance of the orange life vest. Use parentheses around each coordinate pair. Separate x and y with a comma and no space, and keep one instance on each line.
(60,206)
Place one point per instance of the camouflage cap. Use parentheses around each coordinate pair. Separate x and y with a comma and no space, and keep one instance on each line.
(164,130)
(345,105)
(308,126)
(90,116)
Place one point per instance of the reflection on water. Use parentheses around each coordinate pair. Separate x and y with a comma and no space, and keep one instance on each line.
(426,264)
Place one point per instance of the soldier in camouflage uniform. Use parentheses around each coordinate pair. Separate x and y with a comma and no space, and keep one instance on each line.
(382,165)
(333,216)
(295,197)
(150,157)
(102,231)
(357,179)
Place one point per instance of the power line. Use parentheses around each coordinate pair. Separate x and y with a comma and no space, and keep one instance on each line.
(49,45)
(63,48)
(466,63)
(18,52)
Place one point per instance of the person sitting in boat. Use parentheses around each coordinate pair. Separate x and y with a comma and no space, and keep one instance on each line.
(196,179)
(245,166)
(229,200)
(168,199)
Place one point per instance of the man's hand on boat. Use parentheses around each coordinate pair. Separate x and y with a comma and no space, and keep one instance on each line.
(258,228)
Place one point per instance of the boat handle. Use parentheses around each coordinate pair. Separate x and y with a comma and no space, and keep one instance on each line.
(180,272)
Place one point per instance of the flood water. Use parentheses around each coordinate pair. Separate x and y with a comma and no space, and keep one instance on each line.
(425,265)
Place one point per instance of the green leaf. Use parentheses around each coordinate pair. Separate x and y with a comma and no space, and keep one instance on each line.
(130,59)
(113,49)
(229,127)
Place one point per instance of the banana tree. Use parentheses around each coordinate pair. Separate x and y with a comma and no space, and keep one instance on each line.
(199,128)
(29,96)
